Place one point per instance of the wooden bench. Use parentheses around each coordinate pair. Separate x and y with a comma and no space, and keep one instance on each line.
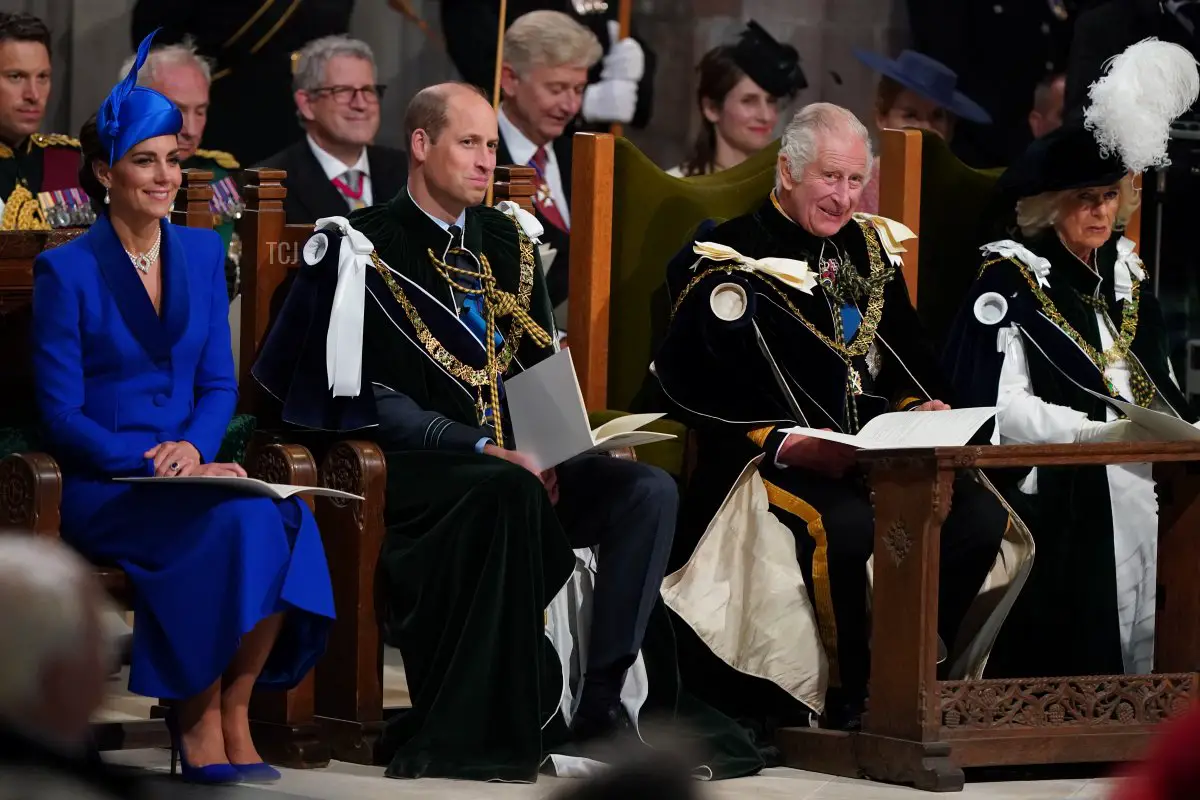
(924,731)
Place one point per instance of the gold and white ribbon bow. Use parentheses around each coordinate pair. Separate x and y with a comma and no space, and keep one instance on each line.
(788,271)
(344,339)
(1127,269)
(892,234)
(528,222)
(1039,266)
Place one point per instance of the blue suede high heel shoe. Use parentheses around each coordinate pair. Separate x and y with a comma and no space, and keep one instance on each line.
(260,772)
(212,774)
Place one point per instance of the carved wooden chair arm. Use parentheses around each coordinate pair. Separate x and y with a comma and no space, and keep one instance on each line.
(275,462)
(30,494)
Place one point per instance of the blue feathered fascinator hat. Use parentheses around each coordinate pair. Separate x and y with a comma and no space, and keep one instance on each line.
(132,113)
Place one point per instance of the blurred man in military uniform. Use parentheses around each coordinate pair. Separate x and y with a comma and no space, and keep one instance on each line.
(251,43)
(1000,50)
(38,172)
(619,86)
(180,73)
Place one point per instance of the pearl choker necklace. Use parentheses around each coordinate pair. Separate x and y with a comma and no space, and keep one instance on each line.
(146,260)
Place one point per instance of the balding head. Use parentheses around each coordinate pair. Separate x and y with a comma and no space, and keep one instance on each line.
(427,110)
(452,140)
(53,668)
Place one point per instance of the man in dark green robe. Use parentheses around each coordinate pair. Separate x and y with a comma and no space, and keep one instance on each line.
(404,322)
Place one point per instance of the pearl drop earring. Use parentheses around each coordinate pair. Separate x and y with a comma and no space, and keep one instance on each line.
(106,197)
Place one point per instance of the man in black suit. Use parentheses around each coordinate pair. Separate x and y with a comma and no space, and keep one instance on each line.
(335,169)
(620,87)
(547,56)
(52,674)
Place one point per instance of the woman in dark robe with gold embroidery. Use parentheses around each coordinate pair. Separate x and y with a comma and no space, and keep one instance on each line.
(1063,310)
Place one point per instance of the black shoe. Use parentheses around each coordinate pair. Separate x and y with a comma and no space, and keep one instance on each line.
(599,724)
(844,710)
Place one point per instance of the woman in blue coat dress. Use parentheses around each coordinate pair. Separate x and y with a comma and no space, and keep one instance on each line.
(135,377)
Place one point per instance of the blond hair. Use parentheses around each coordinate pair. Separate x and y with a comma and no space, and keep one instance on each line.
(549,39)
(1040,212)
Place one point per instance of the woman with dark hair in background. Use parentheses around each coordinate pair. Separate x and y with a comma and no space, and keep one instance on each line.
(741,88)
(134,377)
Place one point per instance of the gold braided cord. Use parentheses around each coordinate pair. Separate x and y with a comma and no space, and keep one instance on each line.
(497,303)
(1143,388)
(865,335)
(22,212)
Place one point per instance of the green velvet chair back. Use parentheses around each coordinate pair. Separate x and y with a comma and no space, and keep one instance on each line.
(653,216)
(959,213)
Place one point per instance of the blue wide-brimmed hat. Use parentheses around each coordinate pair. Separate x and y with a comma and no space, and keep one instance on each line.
(931,79)
(132,113)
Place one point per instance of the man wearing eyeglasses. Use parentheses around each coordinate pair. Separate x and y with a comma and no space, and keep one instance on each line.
(335,169)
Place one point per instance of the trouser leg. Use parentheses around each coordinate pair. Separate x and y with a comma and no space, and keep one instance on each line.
(834,529)
(971,537)
(627,511)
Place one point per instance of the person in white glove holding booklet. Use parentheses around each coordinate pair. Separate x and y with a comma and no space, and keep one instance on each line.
(797,316)
(134,377)
(404,325)
(1059,319)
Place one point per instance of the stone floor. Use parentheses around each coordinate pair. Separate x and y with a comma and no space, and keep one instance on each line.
(355,782)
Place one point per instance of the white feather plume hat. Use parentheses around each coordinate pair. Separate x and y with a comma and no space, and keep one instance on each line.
(1142,91)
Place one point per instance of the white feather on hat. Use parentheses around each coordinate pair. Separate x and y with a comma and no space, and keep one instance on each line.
(1143,91)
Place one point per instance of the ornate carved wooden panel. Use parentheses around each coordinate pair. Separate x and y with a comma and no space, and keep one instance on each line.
(1071,701)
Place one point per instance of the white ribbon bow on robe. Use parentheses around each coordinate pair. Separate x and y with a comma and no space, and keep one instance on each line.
(1039,266)
(528,222)
(788,271)
(344,340)
(1128,268)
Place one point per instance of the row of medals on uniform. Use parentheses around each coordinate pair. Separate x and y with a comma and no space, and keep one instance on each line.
(70,208)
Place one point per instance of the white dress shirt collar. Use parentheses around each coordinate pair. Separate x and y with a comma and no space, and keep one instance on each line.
(519,145)
(461,222)
(521,149)
(332,166)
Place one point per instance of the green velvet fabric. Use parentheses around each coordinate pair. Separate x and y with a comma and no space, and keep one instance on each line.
(237,437)
(666,455)
(654,215)
(17,440)
(25,439)
(472,556)
(959,213)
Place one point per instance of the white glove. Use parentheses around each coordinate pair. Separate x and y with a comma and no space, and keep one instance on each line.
(625,60)
(610,101)
(1121,430)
